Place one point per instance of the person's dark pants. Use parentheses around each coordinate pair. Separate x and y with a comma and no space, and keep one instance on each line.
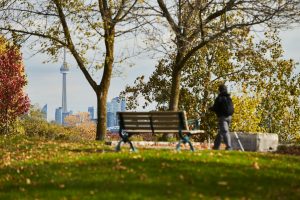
(223,124)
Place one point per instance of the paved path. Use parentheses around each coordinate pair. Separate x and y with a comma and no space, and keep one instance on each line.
(163,145)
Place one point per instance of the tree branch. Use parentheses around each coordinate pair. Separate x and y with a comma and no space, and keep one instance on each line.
(71,46)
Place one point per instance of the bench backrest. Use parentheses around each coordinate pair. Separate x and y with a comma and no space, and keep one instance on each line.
(152,121)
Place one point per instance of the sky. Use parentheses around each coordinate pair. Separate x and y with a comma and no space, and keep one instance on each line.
(45,80)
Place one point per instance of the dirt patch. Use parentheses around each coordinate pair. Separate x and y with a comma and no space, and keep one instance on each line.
(289,149)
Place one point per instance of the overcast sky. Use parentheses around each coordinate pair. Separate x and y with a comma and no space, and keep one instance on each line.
(45,81)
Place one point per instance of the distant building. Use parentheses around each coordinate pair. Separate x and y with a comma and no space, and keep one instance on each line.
(123,104)
(58,115)
(116,105)
(111,119)
(63,116)
(91,112)
(44,111)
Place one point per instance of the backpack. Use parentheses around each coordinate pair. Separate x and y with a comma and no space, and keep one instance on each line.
(226,106)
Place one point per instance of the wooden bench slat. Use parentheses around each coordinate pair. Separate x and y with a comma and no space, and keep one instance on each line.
(138,127)
(150,112)
(155,123)
(136,117)
(175,128)
(167,118)
(162,131)
(130,121)
(134,113)
(154,128)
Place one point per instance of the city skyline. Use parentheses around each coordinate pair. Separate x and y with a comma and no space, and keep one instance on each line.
(44,80)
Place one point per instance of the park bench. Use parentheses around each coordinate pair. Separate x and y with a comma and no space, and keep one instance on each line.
(131,123)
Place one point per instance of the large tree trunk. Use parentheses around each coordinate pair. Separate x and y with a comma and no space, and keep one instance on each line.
(175,90)
(104,85)
(176,79)
(174,97)
(101,115)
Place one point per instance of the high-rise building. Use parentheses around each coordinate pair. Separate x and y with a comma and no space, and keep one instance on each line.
(64,70)
(110,119)
(123,104)
(113,107)
(44,111)
(58,115)
(91,112)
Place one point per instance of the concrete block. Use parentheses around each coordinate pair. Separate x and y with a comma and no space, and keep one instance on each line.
(261,142)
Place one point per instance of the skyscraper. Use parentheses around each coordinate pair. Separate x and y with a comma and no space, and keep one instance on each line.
(64,70)
(44,111)
(58,115)
(123,104)
(113,107)
(111,119)
(91,112)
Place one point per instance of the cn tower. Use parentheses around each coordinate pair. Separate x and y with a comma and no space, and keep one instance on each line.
(64,70)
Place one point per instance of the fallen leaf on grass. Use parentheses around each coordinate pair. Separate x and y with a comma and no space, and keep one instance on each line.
(223,183)
(181,177)
(136,156)
(61,186)
(92,192)
(120,167)
(255,165)
(28,181)
(143,177)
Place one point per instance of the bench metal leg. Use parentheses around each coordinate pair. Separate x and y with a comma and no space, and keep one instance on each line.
(125,139)
(132,147)
(118,147)
(184,140)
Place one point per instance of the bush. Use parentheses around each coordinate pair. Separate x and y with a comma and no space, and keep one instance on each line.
(34,125)
(40,128)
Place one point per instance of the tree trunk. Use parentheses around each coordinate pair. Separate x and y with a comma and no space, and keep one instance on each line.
(174,97)
(102,90)
(101,115)
(175,90)
(176,75)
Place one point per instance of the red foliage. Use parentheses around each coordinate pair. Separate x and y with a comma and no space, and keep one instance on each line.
(13,101)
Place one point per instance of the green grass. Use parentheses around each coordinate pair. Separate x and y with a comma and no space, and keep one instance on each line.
(41,169)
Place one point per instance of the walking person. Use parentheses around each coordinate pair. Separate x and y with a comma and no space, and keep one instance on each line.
(223,107)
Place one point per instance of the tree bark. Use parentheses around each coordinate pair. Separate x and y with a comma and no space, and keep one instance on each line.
(104,85)
(176,75)
(175,90)
(101,116)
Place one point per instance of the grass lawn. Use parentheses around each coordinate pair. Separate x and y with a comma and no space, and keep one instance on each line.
(43,169)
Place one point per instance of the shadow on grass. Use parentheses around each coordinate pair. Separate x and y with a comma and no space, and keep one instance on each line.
(90,150)
(115,177)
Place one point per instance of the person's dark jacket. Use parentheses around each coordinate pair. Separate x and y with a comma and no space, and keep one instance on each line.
(223,105)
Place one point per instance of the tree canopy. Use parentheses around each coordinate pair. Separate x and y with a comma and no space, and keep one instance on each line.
(194,25)
(13,101)
(83,28)
(263,84)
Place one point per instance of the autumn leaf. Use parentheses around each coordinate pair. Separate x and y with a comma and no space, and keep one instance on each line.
(255,165)
(222,183)
(28,181)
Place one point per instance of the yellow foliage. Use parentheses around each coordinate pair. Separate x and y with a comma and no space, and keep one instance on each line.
(247,117)
(3,43)
(79,118)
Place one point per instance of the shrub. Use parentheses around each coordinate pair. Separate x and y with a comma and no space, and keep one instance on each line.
(13,101)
